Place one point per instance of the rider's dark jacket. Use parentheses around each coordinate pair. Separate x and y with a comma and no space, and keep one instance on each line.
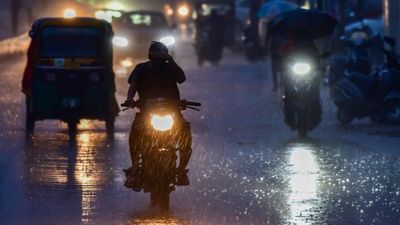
(157,79)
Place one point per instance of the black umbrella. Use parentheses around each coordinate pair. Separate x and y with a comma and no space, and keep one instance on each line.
(302,23)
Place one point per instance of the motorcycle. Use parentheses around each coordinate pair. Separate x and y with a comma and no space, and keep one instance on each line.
(358,56)
(208,47)
(375,95)
(301,94)
(157,169)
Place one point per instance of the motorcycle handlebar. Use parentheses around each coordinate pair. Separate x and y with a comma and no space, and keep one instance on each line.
(187,103)
(183,103)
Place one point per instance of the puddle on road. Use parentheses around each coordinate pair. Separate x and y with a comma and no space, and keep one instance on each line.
(57,164)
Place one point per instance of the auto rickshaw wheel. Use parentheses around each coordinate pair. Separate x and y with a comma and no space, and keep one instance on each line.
(29,118)
(110,126)
(72,127)
(30,123)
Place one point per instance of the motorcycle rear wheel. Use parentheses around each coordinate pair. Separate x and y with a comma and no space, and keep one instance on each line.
(72,127)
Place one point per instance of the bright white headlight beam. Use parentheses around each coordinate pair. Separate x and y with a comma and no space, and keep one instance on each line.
(301,68)
(162,123)
(120,41)
(168,40)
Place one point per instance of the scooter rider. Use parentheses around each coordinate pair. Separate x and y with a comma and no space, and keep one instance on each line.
(157,78)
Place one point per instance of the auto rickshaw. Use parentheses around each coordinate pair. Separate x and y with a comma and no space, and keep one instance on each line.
(69,73)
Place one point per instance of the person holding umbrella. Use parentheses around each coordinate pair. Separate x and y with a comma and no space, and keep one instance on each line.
(269,12)
(301,60)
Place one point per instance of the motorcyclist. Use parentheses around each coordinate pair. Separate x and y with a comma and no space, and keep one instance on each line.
(157,78)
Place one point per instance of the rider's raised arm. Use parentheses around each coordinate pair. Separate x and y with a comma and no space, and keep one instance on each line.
(177,72)
(133,81)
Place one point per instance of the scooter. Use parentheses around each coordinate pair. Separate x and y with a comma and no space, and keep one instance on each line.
(208,47)
(375,95)
(301,94)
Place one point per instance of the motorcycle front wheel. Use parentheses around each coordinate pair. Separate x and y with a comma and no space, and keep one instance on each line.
(160,197)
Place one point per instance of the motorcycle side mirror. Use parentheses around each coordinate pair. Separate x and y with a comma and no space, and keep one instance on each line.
(325,55)
(390,41)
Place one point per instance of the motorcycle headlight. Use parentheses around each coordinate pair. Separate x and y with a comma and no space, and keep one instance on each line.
(120,41)
(168,40)
(162,123)
(301,68)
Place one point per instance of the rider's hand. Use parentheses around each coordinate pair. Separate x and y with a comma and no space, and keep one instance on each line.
(128,103)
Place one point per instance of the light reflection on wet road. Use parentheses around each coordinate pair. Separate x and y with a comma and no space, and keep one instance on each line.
(246,167)
(304,172)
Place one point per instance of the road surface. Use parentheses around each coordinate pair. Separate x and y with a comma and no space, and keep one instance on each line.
(247,166)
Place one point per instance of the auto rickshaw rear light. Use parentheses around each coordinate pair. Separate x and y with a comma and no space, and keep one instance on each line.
(47,62)
(51,77)
(94,77)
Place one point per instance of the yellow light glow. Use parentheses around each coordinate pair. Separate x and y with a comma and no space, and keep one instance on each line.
(183,10)
(69,13)
(115,6)
(162,123)
(168,10)
(127,63)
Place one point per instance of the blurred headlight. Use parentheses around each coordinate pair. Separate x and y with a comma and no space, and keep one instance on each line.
(168,40)
(127,62)
(183,10)
(120,41)
(301,68)
(69,13)
(162,123)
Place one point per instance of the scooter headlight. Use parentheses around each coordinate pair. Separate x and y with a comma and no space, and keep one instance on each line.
(301,68)
(162,123)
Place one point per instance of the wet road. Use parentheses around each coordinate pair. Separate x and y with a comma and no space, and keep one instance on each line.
(247,167)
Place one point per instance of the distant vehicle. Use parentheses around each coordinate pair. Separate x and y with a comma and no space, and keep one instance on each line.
(134,32)
(69,74)
(227,10)
(362,53)
(208,47)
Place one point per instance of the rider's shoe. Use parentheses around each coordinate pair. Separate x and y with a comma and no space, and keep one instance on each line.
(182,178)
(132,181)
